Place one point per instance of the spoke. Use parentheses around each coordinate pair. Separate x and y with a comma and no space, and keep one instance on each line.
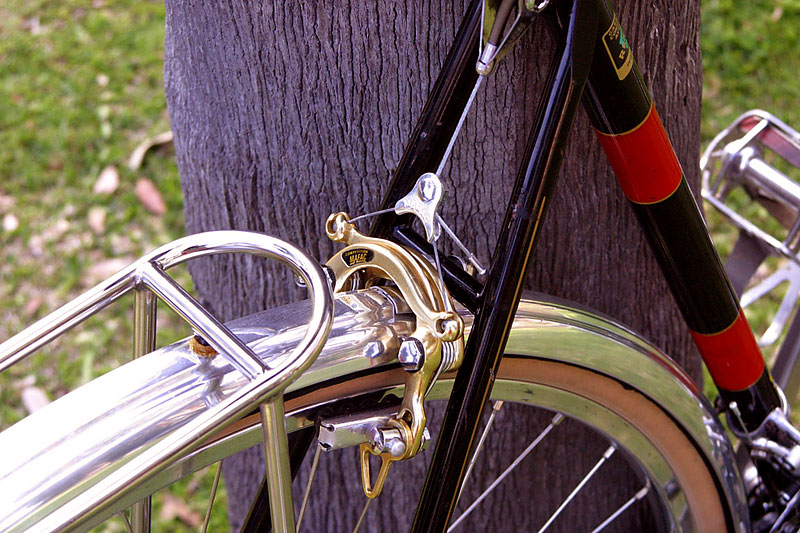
(553,423)
(495,408)
(363,514)
(307,493)
(211,498)
(608,453)
(636,497)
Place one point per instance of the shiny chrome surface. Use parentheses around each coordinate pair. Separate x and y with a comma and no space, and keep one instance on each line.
(148,271)
(212,330)
(279,473)
(551,329)
(160,393)
(267,380)
(423,201)
(351,430)
(145,314)
(735,157)
(171,388)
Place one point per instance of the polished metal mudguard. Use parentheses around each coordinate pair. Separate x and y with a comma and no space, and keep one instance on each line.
(56,461)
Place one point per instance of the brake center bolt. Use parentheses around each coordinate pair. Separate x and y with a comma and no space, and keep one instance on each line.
(389,440)
(427,187)
(411,354)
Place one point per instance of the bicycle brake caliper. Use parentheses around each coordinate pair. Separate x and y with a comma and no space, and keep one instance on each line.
(435,346)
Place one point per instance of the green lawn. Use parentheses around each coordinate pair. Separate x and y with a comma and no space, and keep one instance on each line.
(751,56)
(81,86)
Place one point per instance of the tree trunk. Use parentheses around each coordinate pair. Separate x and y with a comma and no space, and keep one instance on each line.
(285,112)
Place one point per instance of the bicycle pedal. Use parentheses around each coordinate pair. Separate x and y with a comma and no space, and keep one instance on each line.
(746,177)
(788,273)
(753,154)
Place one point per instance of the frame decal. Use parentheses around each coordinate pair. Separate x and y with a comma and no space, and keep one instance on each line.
(618,49)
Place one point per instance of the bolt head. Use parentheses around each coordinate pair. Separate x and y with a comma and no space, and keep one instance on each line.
(411,354)
(396,447)
(373,349)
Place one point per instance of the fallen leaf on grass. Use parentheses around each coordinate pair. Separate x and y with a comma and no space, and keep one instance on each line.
(173,507)
(56,231)
(33,25)
(10,222)
(25,382)
(97,219)
(33,399)
(32,305)
(108,181)
(6,202)
(137,156)
(105,269)
(151,199)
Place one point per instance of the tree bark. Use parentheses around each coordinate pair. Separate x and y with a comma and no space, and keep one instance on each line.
(285,112)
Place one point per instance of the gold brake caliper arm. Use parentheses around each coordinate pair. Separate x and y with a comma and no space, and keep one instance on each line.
(436,344)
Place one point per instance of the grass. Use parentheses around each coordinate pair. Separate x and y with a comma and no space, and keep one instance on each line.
(80,88)
(750,60)
(81,85)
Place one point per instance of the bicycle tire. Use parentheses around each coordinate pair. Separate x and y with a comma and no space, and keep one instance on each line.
(554,347)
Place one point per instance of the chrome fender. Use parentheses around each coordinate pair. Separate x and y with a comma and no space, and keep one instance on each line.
(71,445)
(550,329)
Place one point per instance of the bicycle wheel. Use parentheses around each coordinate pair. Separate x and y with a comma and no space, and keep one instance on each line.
(658,457)
(564,360)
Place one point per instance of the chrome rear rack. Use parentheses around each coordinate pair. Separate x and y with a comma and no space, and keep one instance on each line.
(266,380)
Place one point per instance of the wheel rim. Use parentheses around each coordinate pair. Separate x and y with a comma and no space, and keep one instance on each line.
(682,484)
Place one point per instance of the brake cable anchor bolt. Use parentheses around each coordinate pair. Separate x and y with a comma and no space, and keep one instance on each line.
(411,354)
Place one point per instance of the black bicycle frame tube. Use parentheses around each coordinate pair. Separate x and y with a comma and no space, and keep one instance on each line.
(510,261)
(630,131)
(621,111)
(428,143)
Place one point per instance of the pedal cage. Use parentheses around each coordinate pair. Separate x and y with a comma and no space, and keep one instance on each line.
(749,155)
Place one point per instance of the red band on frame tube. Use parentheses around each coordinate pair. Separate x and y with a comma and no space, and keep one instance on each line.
(732,355)
(643,160)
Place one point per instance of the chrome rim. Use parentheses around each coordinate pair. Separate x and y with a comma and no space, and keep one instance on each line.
(649,461)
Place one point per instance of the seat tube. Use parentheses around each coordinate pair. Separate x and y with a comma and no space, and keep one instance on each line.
(633,137)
